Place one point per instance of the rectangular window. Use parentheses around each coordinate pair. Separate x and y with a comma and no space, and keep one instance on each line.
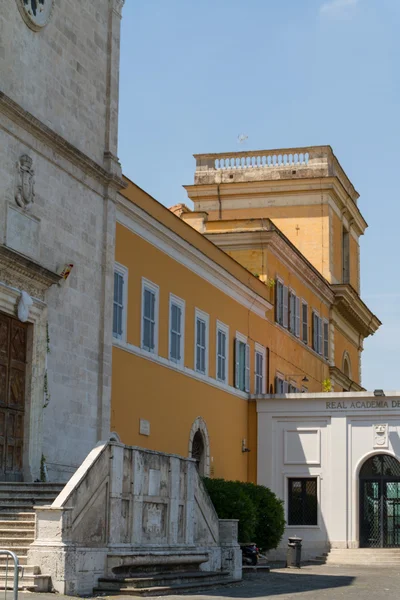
(259,370)
(281,386)
(317,333)
(201,345)
(294,314)
(150,293)
(222,352)
(292,388)
(302,501)
(242,364)
(304,311)
(326,339)
(119,303)
(176,329)
(279,302)
(346,255)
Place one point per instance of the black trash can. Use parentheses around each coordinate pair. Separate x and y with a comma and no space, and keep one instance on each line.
(293,556)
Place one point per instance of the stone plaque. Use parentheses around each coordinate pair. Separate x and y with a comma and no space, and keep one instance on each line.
(23,232)
(154,482)
(144,427)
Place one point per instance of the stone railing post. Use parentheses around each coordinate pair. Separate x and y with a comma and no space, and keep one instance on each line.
(231,554)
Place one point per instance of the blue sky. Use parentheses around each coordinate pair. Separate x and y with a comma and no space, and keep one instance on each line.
(195,74)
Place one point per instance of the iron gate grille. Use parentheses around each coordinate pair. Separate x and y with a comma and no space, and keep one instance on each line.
(380,502)
(303,501)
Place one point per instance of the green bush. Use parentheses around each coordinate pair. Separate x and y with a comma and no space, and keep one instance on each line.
(260,512)
(270,516)
(232,502)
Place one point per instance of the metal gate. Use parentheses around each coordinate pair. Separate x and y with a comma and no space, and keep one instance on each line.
(13,338)
(380,502)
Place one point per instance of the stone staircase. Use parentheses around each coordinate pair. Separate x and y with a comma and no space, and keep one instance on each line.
(160,579)
(17,529)
(382,557)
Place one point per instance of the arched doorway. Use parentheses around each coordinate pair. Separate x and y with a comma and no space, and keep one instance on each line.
(198,451)
(380,502)
(199,446)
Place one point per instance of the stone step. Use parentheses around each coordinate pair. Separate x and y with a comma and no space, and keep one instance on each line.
(17,516)
(16,542)
(38,487)
(161,590)
(144,580)
(28,570)
(33,583)
(14,532)
(16,507)
(21,559)
(12,524)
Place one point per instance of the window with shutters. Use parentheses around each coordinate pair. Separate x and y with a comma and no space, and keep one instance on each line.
(317,333)
(201,342)
(242,363)
(176,329)
(294,313)
(120,302)
(222,352)
(259,369)
(149,334)
(303,501)
(282,304)
(326,338)
(304,322)
(281,386)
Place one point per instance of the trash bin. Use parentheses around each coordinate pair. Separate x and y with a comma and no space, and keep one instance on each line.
(293,557)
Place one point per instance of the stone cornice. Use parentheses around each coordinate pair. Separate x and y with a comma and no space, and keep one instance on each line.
(285,251)
(41,131)
(338,194)
(156,233)
(349,304)
(26,268)
(341,379)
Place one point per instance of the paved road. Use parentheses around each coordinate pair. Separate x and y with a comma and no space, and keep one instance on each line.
(310,583)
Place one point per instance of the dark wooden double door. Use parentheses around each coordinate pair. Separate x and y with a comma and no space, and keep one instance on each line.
(13,342)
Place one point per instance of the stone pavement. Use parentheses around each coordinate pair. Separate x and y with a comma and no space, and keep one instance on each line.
(310,583)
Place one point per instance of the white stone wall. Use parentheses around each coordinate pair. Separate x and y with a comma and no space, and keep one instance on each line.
(58,105)
(60,73)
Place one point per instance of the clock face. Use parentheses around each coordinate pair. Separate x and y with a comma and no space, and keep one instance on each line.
(36,13)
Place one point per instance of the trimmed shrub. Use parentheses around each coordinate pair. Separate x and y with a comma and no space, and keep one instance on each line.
(270,516)
(260,512)
(232,502)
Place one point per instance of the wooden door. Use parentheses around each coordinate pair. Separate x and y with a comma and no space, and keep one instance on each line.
(13,338)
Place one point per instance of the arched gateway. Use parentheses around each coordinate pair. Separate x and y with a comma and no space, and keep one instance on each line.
(380,502)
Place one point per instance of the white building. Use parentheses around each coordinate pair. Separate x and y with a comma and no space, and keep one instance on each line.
(333,459)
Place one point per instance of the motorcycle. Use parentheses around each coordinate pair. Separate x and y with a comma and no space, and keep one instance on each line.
(250,554)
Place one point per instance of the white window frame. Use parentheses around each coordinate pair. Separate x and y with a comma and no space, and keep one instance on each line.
(175,300)
(320,334)
(123,271)
(279,376)
(325,322)
(239,337)
(224,329)
(292,384)
(305,341)
(152,287)
(199,314)
(258,349)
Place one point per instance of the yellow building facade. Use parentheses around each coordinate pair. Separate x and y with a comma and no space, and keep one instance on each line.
(244,296)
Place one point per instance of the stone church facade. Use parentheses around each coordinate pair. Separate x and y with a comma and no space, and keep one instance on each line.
(59,175)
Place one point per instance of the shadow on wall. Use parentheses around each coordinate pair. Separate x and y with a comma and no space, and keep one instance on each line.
(283,584)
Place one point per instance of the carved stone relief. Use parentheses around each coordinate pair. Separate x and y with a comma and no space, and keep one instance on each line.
(380,436)
(25,185)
